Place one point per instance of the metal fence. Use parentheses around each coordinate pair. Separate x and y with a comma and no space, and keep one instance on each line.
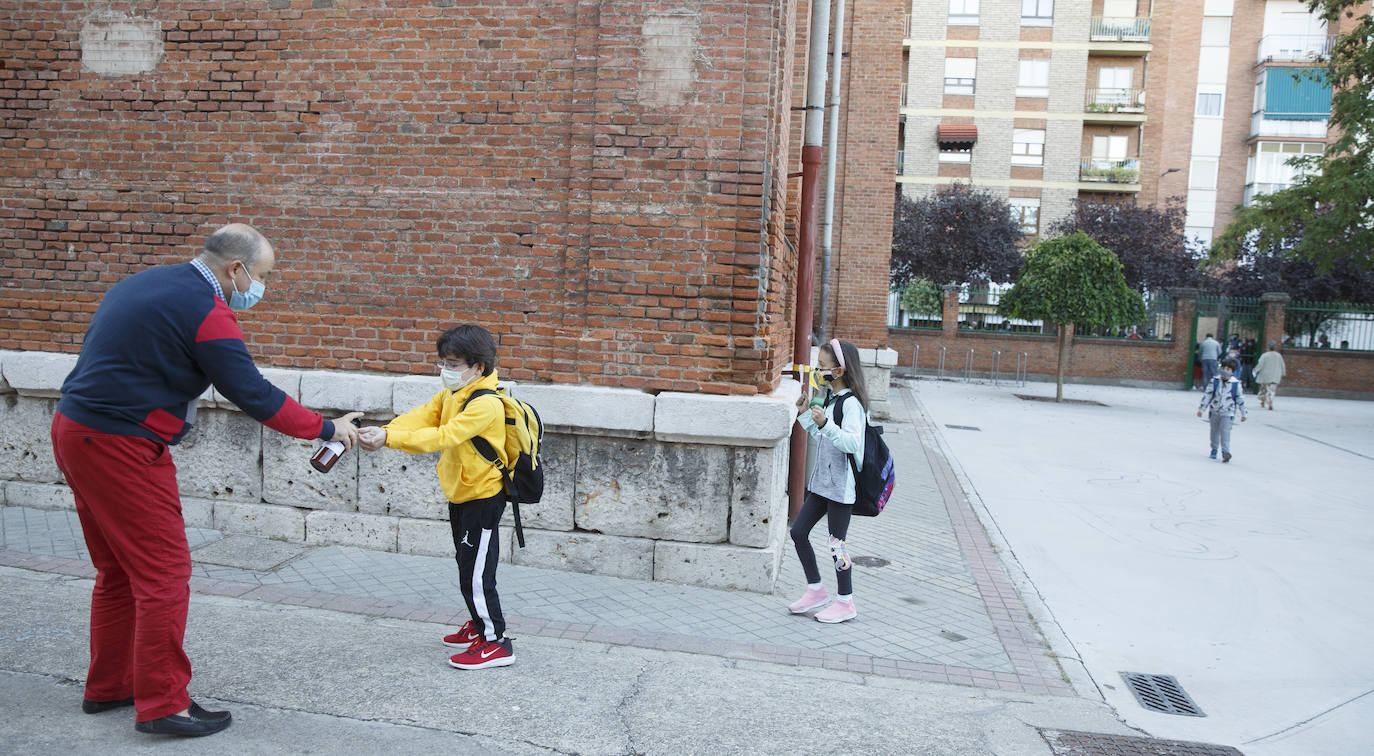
(1329,325)
(978,312)
(1157,325)
(922,307)
(916,307)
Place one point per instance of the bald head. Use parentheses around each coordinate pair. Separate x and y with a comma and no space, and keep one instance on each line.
(237,241)
(238,255)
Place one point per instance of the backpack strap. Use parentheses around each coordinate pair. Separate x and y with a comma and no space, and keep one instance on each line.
(839,420)
(483,446)
(489,454)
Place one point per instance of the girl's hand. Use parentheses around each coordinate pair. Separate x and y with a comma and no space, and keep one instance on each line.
(802,400)
(818,416)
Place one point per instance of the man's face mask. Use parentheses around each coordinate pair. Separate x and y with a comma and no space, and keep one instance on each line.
(242,300)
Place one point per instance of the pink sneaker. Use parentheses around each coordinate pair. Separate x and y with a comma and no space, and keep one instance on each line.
(837,612)
(812,599)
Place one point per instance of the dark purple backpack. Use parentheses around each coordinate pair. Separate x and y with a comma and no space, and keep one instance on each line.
(872,484)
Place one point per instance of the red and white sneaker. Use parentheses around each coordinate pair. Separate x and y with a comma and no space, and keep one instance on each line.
(465,636)
(485,653)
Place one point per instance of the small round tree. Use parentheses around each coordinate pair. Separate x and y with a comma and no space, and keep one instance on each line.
(1072,280)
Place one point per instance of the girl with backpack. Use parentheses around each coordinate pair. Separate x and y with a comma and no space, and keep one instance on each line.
(830,493)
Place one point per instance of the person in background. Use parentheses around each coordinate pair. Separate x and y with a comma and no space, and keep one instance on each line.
(1223,398)
(1269,373)
(1208,353)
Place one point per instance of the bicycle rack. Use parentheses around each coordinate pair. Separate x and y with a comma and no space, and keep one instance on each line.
(941,369)
(1022,362)
(968,366)
(996,365)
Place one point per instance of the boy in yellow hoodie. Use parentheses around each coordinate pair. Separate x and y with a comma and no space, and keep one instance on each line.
(449,423)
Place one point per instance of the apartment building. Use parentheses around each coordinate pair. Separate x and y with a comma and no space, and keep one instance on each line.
(1046,101)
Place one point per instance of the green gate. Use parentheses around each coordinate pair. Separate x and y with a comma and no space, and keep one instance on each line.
(1223,317)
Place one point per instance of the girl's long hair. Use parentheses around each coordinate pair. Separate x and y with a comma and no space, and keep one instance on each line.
(853,371)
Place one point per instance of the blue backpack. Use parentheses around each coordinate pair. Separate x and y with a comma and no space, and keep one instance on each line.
(873,483)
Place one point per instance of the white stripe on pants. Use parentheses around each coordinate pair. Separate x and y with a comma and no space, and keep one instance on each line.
(474,525)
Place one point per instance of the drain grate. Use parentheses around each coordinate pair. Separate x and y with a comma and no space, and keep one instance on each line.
(868,561)
(963,427)
(1161,693)
(1074,743)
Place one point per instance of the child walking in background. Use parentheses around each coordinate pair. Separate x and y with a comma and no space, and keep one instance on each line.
(830,492)
(475,488)
(1222,397)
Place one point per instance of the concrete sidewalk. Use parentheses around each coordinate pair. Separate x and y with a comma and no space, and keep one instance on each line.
(1246,581)
(320,646)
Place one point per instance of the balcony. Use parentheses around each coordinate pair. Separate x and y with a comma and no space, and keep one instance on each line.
(1119,36)
(1295,48)
(1109,171)
(1255,189)
(1266,125)
(1114,105)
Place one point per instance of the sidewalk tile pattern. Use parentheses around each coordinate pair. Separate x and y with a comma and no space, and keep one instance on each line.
(942,609)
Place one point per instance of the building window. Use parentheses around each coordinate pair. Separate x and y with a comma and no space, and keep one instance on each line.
(1037,12)
(950,153)
(1269,161)
(1208,104)
(1202,174)
(1034,78)
(963,12)
(1025,212)
(1296,94)
(1028,147)
(1216,31)
(959,75)
(1114,88)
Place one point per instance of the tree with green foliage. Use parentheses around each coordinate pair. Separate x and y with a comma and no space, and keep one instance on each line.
(1072,280)
(1328,215)
(922,296)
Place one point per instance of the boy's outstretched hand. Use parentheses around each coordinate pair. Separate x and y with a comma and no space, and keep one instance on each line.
(371,438)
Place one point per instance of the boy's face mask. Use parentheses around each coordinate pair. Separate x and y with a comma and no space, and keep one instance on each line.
(1225,373)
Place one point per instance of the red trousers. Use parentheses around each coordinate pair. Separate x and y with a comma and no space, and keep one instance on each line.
(126,497)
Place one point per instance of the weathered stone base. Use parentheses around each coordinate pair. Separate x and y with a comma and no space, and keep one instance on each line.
(678,487)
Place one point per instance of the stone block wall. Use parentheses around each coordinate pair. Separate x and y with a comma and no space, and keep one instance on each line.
(680,487)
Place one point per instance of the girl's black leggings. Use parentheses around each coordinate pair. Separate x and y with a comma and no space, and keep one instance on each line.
(837,519)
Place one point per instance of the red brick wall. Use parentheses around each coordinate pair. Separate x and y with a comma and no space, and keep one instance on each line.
(867,164)
(1103,360)
(1333,372)
(601,183)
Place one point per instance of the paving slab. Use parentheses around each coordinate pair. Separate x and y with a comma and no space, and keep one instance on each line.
(247,553)
(307,680)
(1244,580)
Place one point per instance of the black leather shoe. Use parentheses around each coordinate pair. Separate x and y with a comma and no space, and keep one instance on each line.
(210,716)
(199,723)
(95,707)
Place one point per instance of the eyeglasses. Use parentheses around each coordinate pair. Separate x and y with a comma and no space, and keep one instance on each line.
(446,365)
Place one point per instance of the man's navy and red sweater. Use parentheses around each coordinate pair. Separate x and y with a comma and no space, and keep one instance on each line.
(157,341)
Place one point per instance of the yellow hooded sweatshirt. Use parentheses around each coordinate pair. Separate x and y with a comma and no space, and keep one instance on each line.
(442,425)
